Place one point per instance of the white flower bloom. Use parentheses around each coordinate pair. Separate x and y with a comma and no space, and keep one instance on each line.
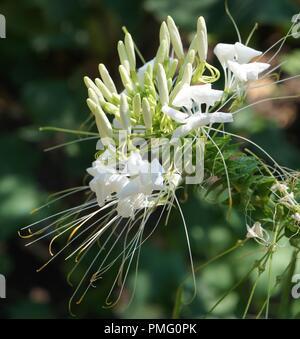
(199,120)
(174,114)
(256,231)
(246,72)
(199,94)
(106,181)
(235,52)
(191,98)
(133,185)
(235,60)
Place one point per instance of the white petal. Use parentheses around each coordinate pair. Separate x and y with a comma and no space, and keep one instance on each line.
(225,52)
(198,120)
(133,164)
(125,208)
(256,231)
(244,53)
(238,70)
(246,72)
(201,94)
(204,94)
(181,131)
(220,117)
(254,69)
(132,187)
(184,97)
(174,114)
(193,122)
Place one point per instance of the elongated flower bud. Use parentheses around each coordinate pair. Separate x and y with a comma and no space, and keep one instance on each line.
(161,53)
(148,83)
(110,108)
(193,45)
(124,112)
(123,54)
(187,74)
(129,46)
(190,57)
(90,84)
(103,124)
(103,89)
(175,38)
(164,35)
(162,85)
(172,68)
(108,82)
(93,96)
(170,84)
(147,113)
(185,80)
(201,39)
(92,105)
(136,105)
(125,78)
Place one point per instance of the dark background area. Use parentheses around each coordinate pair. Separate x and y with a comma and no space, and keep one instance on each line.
(50,46)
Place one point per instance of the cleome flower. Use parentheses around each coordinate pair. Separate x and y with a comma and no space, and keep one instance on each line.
(156,134)
(235,60)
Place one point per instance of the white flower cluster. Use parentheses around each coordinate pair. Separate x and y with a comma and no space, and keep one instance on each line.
(288,200)
(170,96)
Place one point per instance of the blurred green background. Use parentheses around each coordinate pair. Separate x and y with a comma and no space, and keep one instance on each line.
(50,46)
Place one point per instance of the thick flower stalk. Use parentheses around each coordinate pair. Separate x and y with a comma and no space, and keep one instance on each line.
(162,130)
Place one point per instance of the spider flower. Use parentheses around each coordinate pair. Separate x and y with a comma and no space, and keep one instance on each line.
(143,155)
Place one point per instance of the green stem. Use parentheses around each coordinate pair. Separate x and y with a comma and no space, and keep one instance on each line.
(65,130)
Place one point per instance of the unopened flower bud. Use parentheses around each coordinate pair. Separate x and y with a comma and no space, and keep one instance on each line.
(108,82)
(129,46)
(175,38)
(147,113)
(162,85)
